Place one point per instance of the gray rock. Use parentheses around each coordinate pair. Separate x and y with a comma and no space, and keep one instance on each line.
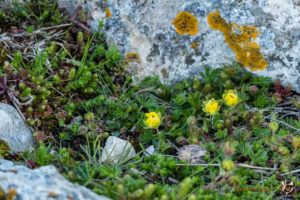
(145,27)
(13,130)
(192,153)
(41,184)
(117,150)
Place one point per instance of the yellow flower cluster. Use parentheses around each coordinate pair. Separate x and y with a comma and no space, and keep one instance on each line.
(186,22)
(153,119)
(212,106)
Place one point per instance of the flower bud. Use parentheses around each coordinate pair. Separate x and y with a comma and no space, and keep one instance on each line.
(136,194)
(29,110)
(207,88)
(253,89)
(71,175)
(233,181)
(227,165)
(273,126)
(284,168)
(219,125)
(196,84)
(289,139)
(193,140)
(283,151)
(89,116)
(223,76)
(192,197)
(164,197)
(149,189)
(22,86)
(228,148)
(191,120)
(296,142)
(228,84)
(297,103)
(120,189)
(227,123)
(252,122)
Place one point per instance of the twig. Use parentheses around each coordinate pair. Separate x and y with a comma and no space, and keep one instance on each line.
(237,165)
(41,30)
(291,172)
(173,145)
(255,167)
(205,165)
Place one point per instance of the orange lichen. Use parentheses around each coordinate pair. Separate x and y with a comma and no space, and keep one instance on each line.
(186,23)
(240,40)
(195,46)
(136,56)
(108,13)
(11,194)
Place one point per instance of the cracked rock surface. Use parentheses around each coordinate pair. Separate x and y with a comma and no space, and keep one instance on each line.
(13,130)
(41,184)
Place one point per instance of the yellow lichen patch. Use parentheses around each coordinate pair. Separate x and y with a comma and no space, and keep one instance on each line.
(241,40)
(11,194)
(130,56)
(186,23)
(108,13)
(195,46)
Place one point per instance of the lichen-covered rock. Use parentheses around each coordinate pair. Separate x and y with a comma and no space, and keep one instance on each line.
(13,130)
(40,184)
(192,153)
(147,28)
(117,150)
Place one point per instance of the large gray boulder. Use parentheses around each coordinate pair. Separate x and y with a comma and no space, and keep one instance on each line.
(41,184)
(145,27)
(13,130)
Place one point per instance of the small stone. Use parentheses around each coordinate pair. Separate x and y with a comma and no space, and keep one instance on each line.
(149,151)
(117,150)
(194,154)
(13,130)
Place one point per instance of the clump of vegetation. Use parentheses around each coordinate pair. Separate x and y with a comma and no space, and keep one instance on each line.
(75,92)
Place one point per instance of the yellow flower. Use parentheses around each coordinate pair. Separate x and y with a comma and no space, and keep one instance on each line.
(153,119)
(211,106)
(185,23)
(230,97)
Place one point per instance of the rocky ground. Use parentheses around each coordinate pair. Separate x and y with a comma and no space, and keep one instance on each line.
(75,125)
